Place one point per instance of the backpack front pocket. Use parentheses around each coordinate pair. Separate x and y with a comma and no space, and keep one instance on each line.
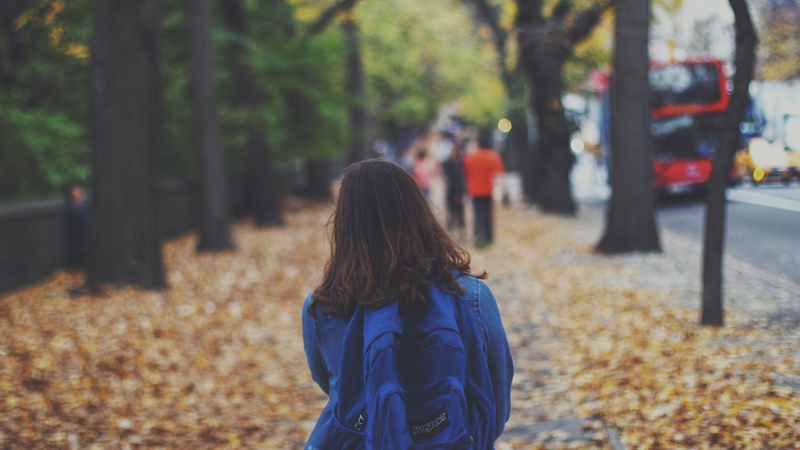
(433,417)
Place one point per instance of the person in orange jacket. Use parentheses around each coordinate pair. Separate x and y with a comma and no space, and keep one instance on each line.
(480,170)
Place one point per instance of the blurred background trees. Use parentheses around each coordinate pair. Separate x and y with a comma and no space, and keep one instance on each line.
(416,57)
(117,100)
(779,47)
(420,55)
(44,96)
(545,42)
(384,69)
(554,46)
(248,100)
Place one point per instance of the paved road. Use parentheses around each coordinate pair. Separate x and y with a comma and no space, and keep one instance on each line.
(763,222)
(763,225)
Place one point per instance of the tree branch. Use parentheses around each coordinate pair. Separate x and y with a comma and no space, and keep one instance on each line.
(561,10)
(581,26)
(489,16)
(328,15)
(529,13)
(10,10)
(713,245)
(745,32)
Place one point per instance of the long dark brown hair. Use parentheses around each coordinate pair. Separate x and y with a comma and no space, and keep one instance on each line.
(385,240)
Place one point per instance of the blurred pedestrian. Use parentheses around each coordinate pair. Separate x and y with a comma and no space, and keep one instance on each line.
(481,167)
(393,265)
(423,170)
(453,169)
(77,227)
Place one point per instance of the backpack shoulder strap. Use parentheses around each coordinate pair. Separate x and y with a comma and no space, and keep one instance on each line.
(350,402)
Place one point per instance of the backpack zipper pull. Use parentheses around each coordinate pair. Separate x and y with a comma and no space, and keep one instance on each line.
(359,423)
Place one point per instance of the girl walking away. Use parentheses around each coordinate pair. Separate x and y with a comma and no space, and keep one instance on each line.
(406,341)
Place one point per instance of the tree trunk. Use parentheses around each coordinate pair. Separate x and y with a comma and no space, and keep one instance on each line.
(715,203)
(550,184)
(517,141)
(10,10)
(544,46)
(517,145)
(264,181)
(529,158)
(354,87)
(630,220)
(215,229)
(319,174)
(516,155)
(126,135)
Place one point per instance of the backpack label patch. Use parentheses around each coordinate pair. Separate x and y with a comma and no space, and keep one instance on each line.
(429,426)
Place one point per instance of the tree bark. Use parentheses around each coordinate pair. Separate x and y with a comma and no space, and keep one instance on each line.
(630,218)
(215,229)
(529,159)
(264,182)
(517,152)
(544,47)
(126,135)
(10,10)
(551,187)
(354,87)
(517,146)
(328,15)
(319,174)
(746,40)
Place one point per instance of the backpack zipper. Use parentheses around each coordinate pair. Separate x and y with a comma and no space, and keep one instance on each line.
(359,423)
(384,406)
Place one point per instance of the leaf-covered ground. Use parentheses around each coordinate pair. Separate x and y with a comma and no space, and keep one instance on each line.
(217,361)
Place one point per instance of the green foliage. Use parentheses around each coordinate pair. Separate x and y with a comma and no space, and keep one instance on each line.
(420,55)
(300,105)
(305,95)
(178,154)
(44,113)
(779,46)
(591,54)
(300,87)
(595,51)
(44,116)
(44,149)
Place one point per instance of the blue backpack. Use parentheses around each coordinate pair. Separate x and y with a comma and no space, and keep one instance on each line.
(416,381)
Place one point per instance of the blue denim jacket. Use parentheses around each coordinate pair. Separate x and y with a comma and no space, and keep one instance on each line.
(323,336)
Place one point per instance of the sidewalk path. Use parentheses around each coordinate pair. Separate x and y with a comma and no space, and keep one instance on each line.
(611,344)
(544,413)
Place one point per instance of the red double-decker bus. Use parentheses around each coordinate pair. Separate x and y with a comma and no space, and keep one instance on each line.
(689,99)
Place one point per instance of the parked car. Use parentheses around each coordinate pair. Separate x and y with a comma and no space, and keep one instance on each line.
(763,161)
